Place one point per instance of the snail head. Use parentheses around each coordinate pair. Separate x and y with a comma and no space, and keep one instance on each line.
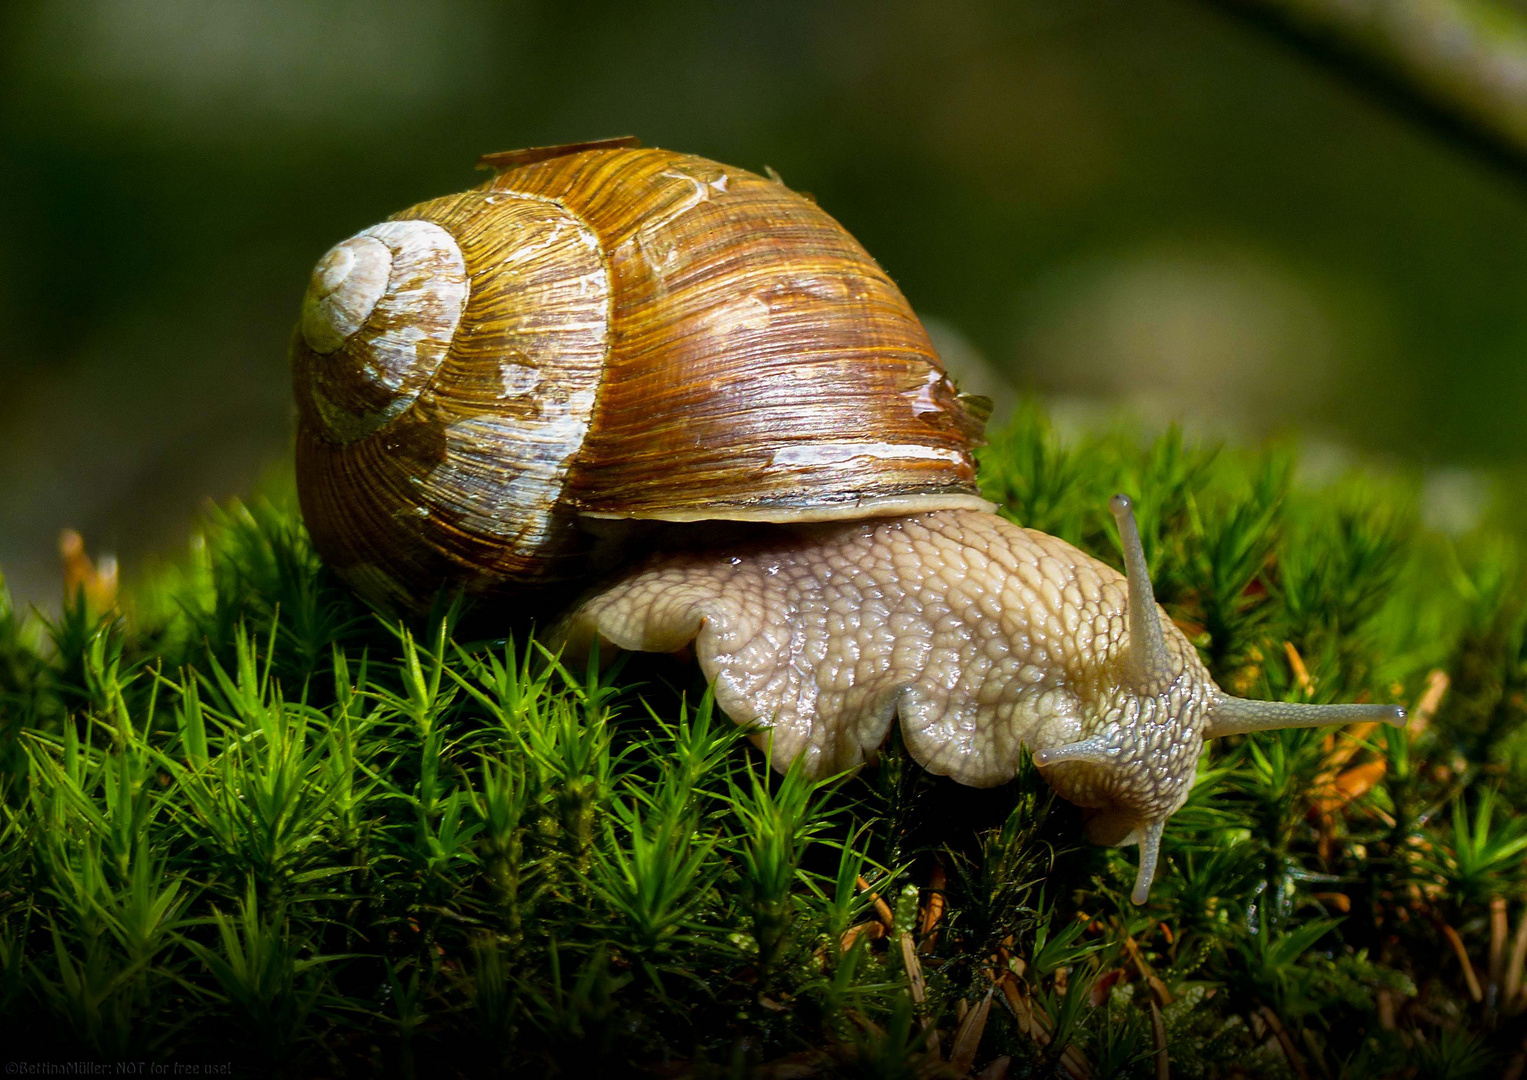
(1145,727)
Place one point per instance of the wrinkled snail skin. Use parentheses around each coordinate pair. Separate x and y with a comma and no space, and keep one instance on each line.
(976,634)
(499,391)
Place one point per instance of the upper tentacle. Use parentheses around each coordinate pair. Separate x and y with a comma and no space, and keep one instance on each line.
(1238,716)
(1148,665)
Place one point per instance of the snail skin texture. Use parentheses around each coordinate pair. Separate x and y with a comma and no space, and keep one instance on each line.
(497,390)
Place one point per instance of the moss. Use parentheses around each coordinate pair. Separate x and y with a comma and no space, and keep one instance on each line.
(250,816)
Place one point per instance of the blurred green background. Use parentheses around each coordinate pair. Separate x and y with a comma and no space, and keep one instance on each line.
(1145,204)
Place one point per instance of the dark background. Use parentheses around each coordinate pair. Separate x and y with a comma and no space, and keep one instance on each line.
(1138,204)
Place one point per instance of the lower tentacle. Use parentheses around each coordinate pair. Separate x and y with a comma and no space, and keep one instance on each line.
(1150,852)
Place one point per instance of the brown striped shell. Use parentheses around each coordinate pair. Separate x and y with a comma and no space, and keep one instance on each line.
(605,331)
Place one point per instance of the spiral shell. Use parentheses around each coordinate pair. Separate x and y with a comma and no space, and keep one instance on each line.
(605,332)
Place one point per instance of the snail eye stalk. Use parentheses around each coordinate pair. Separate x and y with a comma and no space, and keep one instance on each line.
(1239,716)
(1147,665)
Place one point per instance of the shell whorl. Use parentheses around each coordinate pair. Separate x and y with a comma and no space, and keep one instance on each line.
(380,312)
(433,450)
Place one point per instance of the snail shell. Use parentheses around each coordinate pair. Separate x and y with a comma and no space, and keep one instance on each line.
(605,331)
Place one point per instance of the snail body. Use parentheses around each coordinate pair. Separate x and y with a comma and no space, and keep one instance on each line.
(976,634)
(604,333)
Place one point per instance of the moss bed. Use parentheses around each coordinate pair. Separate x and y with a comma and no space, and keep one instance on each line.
(248,825)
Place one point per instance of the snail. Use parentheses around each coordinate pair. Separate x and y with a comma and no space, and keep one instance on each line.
(689,382)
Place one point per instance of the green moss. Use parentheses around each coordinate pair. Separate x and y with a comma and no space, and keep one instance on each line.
(251,816)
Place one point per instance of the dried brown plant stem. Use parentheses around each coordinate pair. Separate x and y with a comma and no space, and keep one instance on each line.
(95,581)
(967,1039)
(934,911)
(1285,1041)
(882,909)
(1158,988)
(1036,1025)
(1296,665)
(1475,990)
(1461,64)
(1518,1064)
(1158,1035)
(1498,931)
(919,986)
(1513,990)
(1386,1010)
(1437,683)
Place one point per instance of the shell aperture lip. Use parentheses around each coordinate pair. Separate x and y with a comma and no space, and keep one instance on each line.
(344,290)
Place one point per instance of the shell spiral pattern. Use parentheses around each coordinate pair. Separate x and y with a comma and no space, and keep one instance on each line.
(605,333)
